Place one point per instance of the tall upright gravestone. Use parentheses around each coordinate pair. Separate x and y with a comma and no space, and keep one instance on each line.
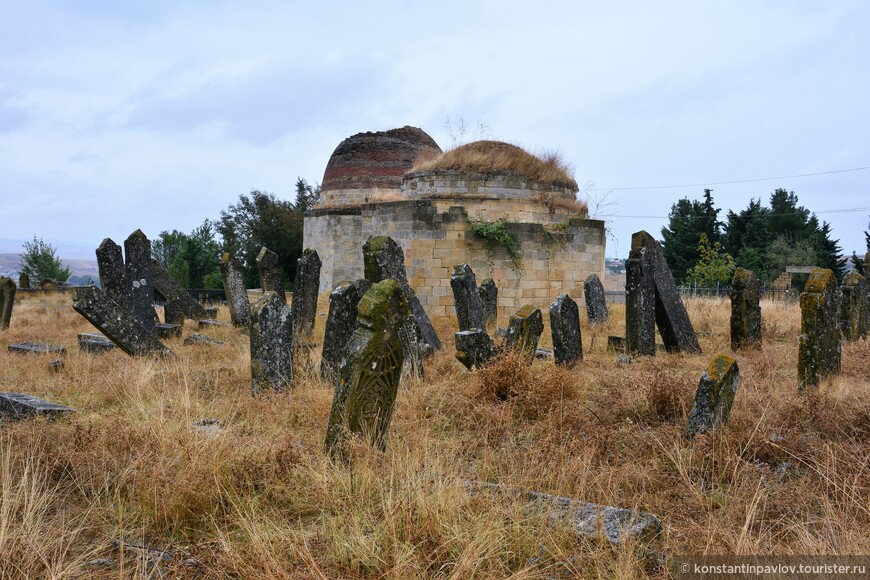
(24,281)
(137,259)
(524,331)
(488,292)
(745,310)
(565,326)
(113,273)
(7,300)
(340,324)
(305,291)
(652,300)
(714,397)
(596,300)
(854,306)
(271,344)
(234,287)
(469,306)
(368,380)
(819,346)
(270,272)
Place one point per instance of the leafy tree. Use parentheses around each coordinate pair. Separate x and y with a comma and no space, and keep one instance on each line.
(714,267)
(687,221)
(39,261)
(306,196)
(785,251)
(189,258)
(858,261)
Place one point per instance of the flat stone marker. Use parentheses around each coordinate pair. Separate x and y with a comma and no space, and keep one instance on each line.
(137,260)
(210,323)
(565,327)
(820,343)
(36,348)
(167,330)
(714,396)
(488,292)
(7,300)
(94,343)
(469,307)
(234,287)
(197,338)
(745,310)
(211,312)
(854,315)
(270,272)
(271,344)
(113,273)
(474,348)
(306,287)
(596,300)
(116,323)
(524,330)
(20,405)
(652,300)
(179,303)
(340,324)
(368,380)
(56,365)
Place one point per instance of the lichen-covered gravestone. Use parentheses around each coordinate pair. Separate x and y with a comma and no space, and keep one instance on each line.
(305,291)
(565,327)
(271,344)
(474,348)
(116,323)
(596,300)
(524,331)
(113,273)
(137,259)
(853,307)
(340,324)
(652,300)
(270,272)
(368,380)
(179,304)
(745,310)
(488,292)
(7,300)
(819,345)
(234,287)
(24,281)
(714,396)
(469,306)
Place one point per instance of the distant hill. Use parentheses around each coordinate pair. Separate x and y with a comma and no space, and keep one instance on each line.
(9,264)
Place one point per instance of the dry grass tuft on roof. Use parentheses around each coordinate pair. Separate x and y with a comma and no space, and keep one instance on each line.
(498,157)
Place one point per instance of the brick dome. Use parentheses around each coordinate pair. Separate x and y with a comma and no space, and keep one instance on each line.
(377,160)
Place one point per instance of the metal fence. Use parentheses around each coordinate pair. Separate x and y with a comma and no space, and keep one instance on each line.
(722,291)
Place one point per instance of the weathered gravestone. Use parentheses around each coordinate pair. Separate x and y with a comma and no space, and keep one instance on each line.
(524,331)
(368,379)
(179,304)
(36,348)
(116,323)
(340,324)
(469,306)
(745,310)
(94,343)
(596,300)
(163,330)
(197,338)
(819,345)
(24,281)
(20,405)
(488,292)
(305,290)
(137,259)
(714,396)
(565,327)
(270,272)
(113,273)
(474,348)
(7,300)
(234,287)
(271,344)
(652,300)
(854,306)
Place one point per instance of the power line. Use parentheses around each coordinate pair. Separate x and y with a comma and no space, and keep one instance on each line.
(646,187)
(767,215)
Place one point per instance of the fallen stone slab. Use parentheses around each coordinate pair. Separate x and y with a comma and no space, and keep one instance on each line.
(208,322)
(197,338)
(56,365)
(20,405)
(117,323)
(211,312)
(164,330)
(213,427)
(94,343)
(36,348)
(544,354)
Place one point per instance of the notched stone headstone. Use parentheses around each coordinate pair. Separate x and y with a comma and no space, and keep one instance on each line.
(116,323)
(270,272)
(113,273)
(7,300)
(179,304)
(137,260)
(819,346)
(36,348)
(340,324)
(474,348)
(469,306)
(94,343)
(234,287)
(488,292)
(306,287)
(524,330)
(596,300)
(271,344)
(368,379)
(20,405)
(565,327)
(714,396)
(745,310)
(854,315)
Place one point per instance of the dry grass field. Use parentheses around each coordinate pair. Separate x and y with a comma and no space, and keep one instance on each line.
(260,499)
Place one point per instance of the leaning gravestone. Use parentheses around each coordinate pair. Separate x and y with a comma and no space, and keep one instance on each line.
(596,300)
(234,287)
(179,304)
(24,281)
(368,379)
(819,345)
(271,344)
(137,259)
(469,306)
(115,322)
(652,300)
(113,273)
(305,290)
(714,396)
(7,300)
(20,405)
(270,272)
(474,348)
(745,310)
(565,326)
(488,292)
(524,331)
(853,307)
(340,324)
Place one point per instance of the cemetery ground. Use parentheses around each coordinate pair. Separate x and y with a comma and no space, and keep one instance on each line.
(170,466)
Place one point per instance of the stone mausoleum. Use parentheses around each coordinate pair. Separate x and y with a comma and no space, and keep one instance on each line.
(505,212)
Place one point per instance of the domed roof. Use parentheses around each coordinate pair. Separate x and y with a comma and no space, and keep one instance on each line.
(377,160)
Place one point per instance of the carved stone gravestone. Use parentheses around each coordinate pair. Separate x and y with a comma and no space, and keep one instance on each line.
(524,330)
(745,310)
(113,273)
(305,290)
(565,327)
(469,306)
(819,346)
(714,396)
(271,344)
(368,380)
(24,281)
(340,324)
(7,301)
(596,300)
(270,272)
(116,323)
(853,307)
(234,287)
(488,292)
(137,259)
(179,304)
(474,348)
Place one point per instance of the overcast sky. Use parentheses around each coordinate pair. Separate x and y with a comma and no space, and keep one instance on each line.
(156,115)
